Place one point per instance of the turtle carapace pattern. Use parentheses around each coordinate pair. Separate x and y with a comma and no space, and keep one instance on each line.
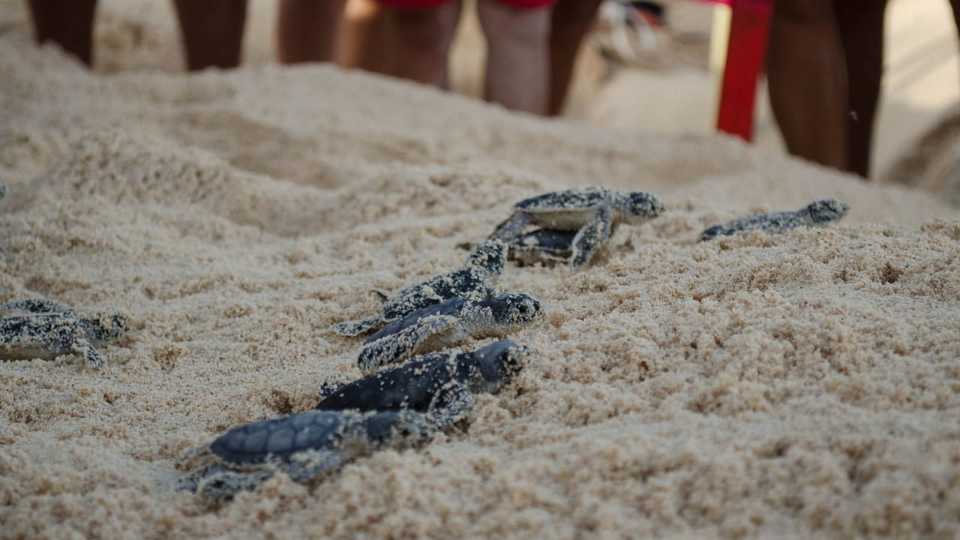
(475,280)
(39,328)
(592,212)
(306,446)
(431,382)
(820,212)
(446,325)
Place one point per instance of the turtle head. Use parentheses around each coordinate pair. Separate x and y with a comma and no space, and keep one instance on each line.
(827,210)
(489,256)
(639,206)
(106,327)
(499,363)
(515,309)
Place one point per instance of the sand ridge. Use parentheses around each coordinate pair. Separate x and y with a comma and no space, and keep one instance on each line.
(757,385)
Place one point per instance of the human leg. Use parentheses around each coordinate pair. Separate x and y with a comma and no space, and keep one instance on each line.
(807,81)
(68,23)
(569,24)
(518,56)
(212,32)
(420,38)
(363,40)
(861,30)
(307,30)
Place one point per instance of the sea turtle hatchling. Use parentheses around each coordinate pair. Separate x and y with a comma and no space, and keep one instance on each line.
(475,281)
(398,408)
(446,325)
(818,212)
(306,446)
(37,328)
(441,382)
(593,212)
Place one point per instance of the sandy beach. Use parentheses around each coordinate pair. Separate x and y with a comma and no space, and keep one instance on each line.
(795,385)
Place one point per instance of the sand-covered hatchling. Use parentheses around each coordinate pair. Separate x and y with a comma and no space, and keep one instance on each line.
(442,383)
(446,325)
(398,408)
(306,446)
(38,328)
(476,280)
(592,212)
(820,212)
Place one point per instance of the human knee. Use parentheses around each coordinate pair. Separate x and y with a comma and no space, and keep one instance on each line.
(804,11)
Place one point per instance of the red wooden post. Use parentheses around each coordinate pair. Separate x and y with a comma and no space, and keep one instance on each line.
(746,51)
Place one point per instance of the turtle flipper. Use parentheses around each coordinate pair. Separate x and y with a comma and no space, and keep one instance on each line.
(223,485)
(403,344)
(451,404)
(82,347)
(512,227)
(307,466)
(591,236)
(356,328)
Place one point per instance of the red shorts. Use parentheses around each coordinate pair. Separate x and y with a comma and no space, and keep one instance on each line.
(423,4)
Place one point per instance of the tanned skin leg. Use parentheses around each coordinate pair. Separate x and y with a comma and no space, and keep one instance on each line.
(420,40)
(808,82)
(364,40)
(569,24)
(212,32)
(518,55)
(307,30)
(861,30)
(68,23)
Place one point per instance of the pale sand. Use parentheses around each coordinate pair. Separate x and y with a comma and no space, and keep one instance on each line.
(792,385)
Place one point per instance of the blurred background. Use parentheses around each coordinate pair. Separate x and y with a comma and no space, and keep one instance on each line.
(656,77)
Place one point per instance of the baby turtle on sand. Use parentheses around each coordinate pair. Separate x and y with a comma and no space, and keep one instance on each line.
(593,212)
(432,382)
(818,212)
(43,329)
(306,446)
(446,325)
(399,408)
(474,281)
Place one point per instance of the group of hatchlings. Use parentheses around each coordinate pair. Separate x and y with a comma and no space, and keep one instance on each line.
(412,387)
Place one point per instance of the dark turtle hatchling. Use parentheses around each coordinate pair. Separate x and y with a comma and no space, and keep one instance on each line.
(447,324)
(36,328)
(819,212)
(398,408)
(593,213)
(306,446)
(442,383)
(475,281)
